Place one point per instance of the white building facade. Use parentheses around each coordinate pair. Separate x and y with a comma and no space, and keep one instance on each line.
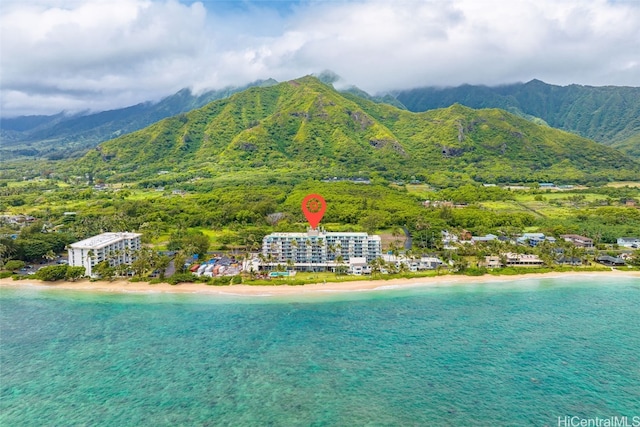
(318,250)
(117,248)
(629,242)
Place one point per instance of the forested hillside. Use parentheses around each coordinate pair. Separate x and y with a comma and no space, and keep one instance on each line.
(304,124)
(609,115)
(62,135)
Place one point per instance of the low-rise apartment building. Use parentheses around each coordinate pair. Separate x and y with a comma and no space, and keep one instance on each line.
(317,250)
(117,248)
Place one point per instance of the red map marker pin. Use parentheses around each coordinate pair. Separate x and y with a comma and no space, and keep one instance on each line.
(313,207)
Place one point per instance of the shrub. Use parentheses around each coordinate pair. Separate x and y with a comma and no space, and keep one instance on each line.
(181,277)
(475,271)
(221,281)
(74,273)
(14,265)
(52,273)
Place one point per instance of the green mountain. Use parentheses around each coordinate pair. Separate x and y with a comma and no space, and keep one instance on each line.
(306,126)
(62,135)
(609,114)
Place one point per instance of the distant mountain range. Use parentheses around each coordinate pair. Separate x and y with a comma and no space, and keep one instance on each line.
(61,135)
(306,125)
(609,114)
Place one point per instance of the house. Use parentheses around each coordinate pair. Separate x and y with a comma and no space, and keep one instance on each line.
(577,240)
(492,262)
(534,239)
(358,266)
(522,260)
(437,204)
(429,263)
(629,242)
(487,238)
(565,260)
(17,219)
(396,260)
(449,240)
(610,261)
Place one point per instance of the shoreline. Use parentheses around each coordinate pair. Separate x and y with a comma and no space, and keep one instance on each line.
(126,287)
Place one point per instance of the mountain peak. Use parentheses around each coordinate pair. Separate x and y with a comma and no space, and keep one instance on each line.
(307,126)
(328,77)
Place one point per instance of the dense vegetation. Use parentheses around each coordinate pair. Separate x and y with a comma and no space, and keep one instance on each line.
(307,127)
(237,217)
(609,115)
(62,135)
(223,176)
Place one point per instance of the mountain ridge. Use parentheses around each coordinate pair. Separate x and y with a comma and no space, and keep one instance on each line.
(304,124)
(55,135)
(607,114)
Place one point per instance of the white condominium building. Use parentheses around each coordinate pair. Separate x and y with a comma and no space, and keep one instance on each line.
(117,248)
(317,250)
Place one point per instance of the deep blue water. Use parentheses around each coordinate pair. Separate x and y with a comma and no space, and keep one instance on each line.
(513,354)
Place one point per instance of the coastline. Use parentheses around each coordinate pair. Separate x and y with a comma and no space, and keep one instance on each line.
(124,286)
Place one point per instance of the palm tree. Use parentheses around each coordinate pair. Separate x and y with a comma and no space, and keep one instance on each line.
(396,233)
(4,250)
(90,257)
(319,245)
(309,252)
(339,265)
(376,266)
(50,255)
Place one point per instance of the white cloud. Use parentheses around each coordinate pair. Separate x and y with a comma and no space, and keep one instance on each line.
(97,54)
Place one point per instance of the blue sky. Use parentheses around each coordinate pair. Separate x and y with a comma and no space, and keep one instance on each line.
(77,55)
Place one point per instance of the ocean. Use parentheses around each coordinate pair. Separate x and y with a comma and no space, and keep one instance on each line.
(524,353)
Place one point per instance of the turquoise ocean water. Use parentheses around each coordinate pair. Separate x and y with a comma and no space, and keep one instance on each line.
(510,354)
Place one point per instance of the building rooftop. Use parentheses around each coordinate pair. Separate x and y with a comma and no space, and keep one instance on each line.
(323,235)
(575,236)
(102,240)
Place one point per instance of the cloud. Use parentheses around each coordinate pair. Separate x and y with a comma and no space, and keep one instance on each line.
(99,54)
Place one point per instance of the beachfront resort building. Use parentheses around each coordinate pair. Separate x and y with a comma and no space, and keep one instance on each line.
(317,250)
(117,248)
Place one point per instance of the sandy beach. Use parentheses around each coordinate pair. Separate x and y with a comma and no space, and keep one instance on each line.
(123,286)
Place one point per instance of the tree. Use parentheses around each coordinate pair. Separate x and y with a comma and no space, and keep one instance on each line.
(50,255)
(74,273)
(52,273)
(192,242)
(161,264)
(460,265)
(33,249)
(179,260)
(14,265)
(104,270)
(4,251)
(143,262)
(376,266)
(635,259)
